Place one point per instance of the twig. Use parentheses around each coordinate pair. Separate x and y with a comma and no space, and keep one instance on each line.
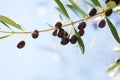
(65,25)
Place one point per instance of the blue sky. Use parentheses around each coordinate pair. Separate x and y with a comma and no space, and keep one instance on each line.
(44,58)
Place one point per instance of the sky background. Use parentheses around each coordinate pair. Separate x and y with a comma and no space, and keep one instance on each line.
(44,58)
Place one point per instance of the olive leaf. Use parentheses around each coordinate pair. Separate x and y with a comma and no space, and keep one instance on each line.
(96,3)
(78,8)
(113,66)
(80,41)
(73,9)
(2,37)
(62,8)
(49,25)
(113,30)
(5,24)
(61,12)
(61,17)
(10,22)
(89,4)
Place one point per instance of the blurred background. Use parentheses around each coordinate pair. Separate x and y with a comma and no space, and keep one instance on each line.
(44,58)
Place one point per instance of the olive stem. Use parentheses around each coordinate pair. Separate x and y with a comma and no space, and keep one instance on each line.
(65,25)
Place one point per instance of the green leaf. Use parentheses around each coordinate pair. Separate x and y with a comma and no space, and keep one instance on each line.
(2,37)
(62,8)
(49,25)
(113,30)
(113,66)
(78,8)
(60,11)
(10,22)
(80,41)
(89,4)
(73,9)
(61,17)
(5,24)
(96,3)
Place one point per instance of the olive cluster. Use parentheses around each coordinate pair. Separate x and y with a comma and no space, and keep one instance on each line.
(61,33)
(81,28)
(65,37)
(34,34)
(109,11)
(93,12)
(102,22)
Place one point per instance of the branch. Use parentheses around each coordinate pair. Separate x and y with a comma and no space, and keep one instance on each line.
(65,25)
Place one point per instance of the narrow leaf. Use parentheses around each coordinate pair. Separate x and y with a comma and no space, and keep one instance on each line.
(78,8)
(89,4)
(5,24)
(60,11)
(113,30)
(73,9)
(49,25)
(61,17)
(113,66)
(62,8)
(2,37)
(10,22)
(96,3)
(80,41)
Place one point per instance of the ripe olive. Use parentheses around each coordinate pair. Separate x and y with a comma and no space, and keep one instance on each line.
(81,32)
(58,25)
(108,12)
(73,39)
(102,23)
(55,33)
(61,33)
(35,34)
(64,40)
(21,44)
(81,25)
(92,12)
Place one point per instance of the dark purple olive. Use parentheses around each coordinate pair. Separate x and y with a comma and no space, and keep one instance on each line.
(55,32)
(81,25)
(61,33)
(81,32)
(92,12)
(58,25)
(35,34)
(65,33)
(102,24)
(64,40)
(21,44)
(108,12)
(73,39)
